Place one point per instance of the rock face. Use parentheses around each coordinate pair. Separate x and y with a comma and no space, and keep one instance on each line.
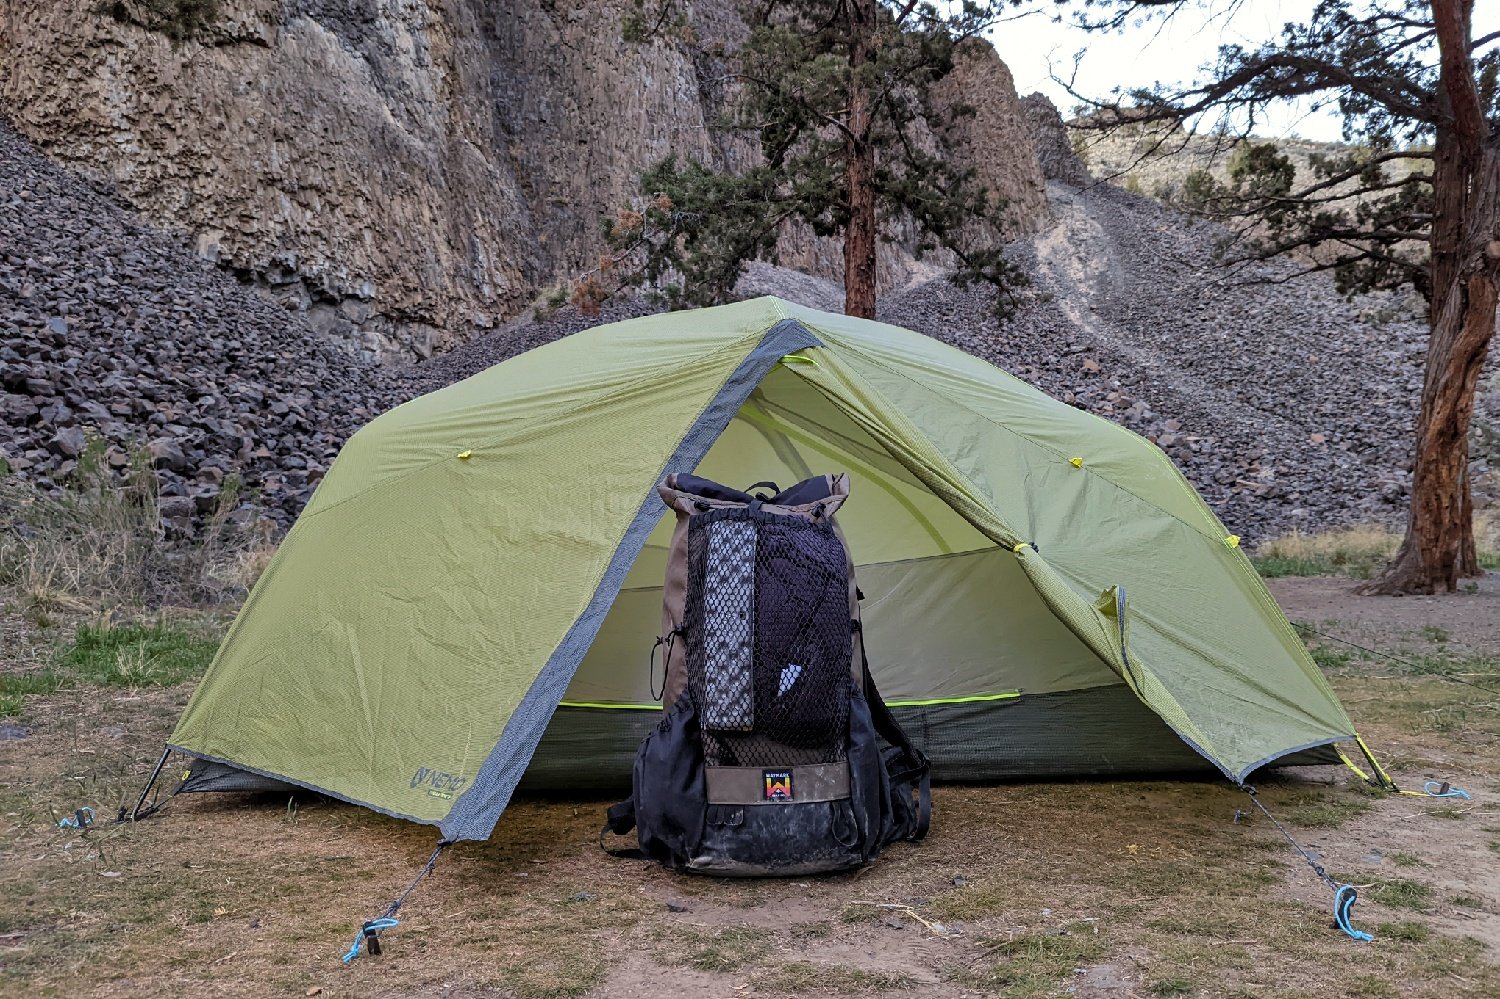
(997,139)
(1049,137)
(403,172)
(1286,405)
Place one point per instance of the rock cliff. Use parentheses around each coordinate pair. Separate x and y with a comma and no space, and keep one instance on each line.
(404,171)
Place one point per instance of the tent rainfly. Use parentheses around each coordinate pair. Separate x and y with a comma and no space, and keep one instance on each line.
(470,596)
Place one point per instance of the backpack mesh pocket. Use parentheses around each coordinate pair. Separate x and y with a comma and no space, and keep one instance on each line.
(796,700)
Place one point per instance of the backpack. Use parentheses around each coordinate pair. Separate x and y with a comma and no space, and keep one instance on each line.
(768,758)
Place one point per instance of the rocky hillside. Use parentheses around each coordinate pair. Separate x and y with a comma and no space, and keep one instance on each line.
(407,173)
(111,330)
(1286,405)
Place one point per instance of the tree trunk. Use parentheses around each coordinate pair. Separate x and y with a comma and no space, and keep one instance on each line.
(1438,549)
(1439,546)
(859,235)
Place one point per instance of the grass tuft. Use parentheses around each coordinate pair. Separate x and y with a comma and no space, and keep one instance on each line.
(1399,893)
(1359,552)
(1033,964)
(137,655)
(807,978)
(128,655)
(1407,932)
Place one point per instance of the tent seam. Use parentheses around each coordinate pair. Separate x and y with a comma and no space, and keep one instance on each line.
(462,819)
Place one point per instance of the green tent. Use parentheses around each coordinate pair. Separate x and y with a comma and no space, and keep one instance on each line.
(472,593)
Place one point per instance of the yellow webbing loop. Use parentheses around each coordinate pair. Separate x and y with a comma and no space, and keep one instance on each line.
(465,455)
(1019,545)
(1354,766)
(1233,541)
(799,359)
(1076,462)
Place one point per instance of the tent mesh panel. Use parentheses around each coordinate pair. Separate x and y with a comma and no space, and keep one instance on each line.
(768,638)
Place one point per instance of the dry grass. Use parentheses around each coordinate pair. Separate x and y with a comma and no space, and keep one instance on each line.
(1359,551)
(99,545)
(1153,885)
(1143,888)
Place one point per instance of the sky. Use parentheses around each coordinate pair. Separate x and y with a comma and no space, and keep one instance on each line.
(1140,56)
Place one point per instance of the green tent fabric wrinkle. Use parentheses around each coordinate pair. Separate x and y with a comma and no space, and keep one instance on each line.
(470,596)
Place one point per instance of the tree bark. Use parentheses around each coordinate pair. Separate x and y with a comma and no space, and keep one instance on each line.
(1438,549)
(859,234)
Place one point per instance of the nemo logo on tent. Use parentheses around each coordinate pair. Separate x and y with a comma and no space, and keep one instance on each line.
(441,783)
(778,785)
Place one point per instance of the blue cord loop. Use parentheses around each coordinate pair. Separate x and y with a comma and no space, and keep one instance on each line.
(1344,898)
(83,817)
(1444,790)
(371,932)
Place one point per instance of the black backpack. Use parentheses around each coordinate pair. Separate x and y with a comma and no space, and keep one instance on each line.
(768,757)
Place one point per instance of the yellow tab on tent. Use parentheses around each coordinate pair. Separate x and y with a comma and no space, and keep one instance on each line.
(799,359)
(1233,541)
(1019,545)
(465,455)
(1076,462)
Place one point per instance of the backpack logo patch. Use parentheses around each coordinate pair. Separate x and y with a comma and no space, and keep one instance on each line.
(778,785)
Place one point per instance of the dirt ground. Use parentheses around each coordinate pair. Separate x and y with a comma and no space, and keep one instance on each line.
(1096,889)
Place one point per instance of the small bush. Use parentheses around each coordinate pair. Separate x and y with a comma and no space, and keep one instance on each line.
(179,20)
(1198,189)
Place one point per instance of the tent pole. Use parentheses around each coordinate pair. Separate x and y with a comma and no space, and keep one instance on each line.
(135,813)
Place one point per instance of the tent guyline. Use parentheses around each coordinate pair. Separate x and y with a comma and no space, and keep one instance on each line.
(369,933)
(1344,895)
(481,570)
(1414,667)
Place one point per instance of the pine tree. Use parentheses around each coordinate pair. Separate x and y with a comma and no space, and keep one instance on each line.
(839,98)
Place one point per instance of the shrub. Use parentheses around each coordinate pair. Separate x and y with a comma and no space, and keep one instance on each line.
(179,20)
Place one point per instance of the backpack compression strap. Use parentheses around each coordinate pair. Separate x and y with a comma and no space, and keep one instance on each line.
(620,819)
(917,768)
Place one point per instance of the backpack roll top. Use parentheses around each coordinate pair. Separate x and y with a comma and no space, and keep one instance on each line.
(767,760)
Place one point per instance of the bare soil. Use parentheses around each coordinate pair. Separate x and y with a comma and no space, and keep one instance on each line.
(1103,889)
(1471,616)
